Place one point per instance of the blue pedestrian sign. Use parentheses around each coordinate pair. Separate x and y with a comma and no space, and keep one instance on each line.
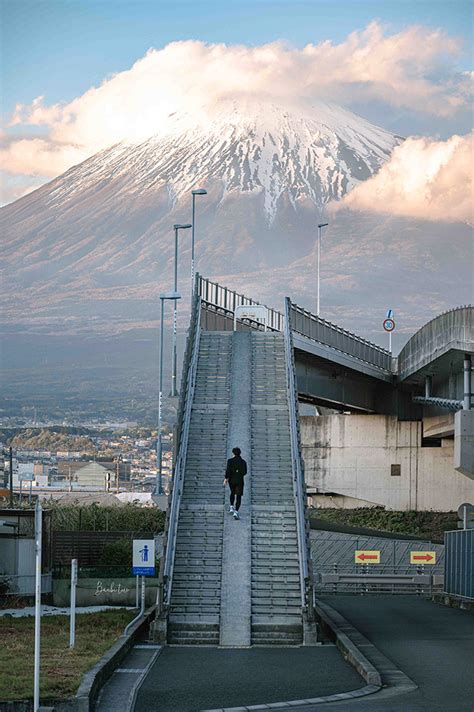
(143,557)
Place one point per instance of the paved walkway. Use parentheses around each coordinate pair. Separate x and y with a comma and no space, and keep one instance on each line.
(192,679)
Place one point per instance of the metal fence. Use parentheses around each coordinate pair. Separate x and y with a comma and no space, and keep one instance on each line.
(335,570)
(88,547)
(317,329)
(221,302)
(459,564)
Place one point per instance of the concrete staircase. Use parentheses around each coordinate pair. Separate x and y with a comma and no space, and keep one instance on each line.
(238,583)
(196,589)
(276,601)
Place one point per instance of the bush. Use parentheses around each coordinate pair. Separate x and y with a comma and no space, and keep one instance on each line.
(430,525)
(93,517)
(117,553)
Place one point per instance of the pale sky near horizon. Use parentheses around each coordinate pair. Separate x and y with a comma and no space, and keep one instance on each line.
(61,49)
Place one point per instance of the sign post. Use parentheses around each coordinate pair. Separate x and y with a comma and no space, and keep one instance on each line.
(38,547)
(389,325)
(466,516)
(72,622)
(143,564)
(422,557)
(367,557)
(254,312)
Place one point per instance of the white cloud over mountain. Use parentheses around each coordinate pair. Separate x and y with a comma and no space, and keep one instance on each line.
(409,69)
(424,178)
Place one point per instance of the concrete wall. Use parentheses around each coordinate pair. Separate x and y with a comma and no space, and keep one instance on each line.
(351,456)
(103,591)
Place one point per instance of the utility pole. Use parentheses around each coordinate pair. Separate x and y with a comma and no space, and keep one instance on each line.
(320,227)
(10,454)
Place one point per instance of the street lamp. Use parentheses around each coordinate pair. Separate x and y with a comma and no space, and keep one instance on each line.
(172,296)
(175,316)
(198,191)
(320,227)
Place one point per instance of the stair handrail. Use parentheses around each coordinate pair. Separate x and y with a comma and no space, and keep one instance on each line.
(299,487)
(187,394)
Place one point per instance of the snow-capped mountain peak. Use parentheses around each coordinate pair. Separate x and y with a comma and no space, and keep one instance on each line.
(315,154)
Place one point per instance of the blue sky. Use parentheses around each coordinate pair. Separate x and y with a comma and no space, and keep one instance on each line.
(60,48)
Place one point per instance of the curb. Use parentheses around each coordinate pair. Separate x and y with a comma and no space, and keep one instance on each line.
(453,601)
(93,680)
(340,629)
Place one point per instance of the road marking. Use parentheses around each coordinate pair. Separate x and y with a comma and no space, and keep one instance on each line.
(367,557)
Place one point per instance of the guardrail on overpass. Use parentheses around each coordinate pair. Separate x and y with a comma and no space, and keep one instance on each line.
(220,302)
(329,334)
(452,330)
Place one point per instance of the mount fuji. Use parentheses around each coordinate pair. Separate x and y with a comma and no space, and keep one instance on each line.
(103,226)
(86,255)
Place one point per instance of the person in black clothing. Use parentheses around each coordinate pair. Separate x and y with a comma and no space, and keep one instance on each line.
(234,476)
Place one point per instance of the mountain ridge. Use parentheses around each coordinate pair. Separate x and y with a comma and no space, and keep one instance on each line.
(92,249)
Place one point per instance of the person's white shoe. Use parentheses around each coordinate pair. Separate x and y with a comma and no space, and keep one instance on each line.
(231,510)
(236,515)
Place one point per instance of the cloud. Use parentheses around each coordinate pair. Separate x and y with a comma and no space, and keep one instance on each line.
(412,68)
(424,178)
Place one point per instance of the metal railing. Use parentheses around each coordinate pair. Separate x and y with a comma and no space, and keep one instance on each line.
(317,329)
(187,394)
(387,579)
(223,300)
(299,488)
(453,329)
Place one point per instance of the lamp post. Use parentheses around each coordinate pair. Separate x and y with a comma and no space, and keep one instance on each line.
(198,191)
(174,296)
(176,228)
(320,227)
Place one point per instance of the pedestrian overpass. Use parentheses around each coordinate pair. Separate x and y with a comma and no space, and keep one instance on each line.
(250,582)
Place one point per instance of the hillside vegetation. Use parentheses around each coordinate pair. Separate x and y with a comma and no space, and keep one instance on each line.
(431,525)
(94,517)
(51,439)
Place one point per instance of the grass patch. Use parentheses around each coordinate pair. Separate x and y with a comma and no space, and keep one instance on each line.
(61,668)
(430,525)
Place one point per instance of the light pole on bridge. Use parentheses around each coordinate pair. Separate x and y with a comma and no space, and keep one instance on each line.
(176,228)
(198,191)
(320,227)
(171,296)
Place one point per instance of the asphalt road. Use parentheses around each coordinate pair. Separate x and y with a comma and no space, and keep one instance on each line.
(432,644)
(191,679)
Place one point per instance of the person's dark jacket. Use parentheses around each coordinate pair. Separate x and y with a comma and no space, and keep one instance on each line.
(236,470)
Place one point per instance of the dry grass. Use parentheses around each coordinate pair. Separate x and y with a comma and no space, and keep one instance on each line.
(61,668)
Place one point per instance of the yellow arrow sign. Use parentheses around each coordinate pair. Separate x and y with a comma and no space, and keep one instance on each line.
(422,557)
(367,557)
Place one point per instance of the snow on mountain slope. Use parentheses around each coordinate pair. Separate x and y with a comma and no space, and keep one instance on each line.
(319,154)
